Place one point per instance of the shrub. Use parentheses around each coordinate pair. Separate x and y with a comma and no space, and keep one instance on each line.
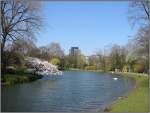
(55,61)
(11,79)
(138,68)
(90,68)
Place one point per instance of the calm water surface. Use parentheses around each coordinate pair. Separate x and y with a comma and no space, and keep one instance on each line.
(74,91)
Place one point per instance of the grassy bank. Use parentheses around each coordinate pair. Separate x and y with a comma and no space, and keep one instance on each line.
(73,69)
(11,79)
(136,100)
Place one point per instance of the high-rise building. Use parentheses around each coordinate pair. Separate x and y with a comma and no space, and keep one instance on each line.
(74,51)
(74,54)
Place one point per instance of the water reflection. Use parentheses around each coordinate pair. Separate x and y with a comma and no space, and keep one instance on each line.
(74,91)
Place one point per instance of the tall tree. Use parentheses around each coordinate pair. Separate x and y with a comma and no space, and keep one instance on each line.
(118,56)
(142,39)
(139,11)
(80,60)
(101,60)
(142,44)
(55,50)
(44,54)
(19,19)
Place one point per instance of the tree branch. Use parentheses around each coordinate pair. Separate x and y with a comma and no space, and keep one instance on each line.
(146,10)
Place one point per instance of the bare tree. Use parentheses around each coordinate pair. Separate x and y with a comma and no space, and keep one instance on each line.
(139,12)
(19,19)
(142,39)
(55,50)
(138,49)
(142,42)
(44,54)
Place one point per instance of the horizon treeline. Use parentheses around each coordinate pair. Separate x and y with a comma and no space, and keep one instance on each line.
(20,21)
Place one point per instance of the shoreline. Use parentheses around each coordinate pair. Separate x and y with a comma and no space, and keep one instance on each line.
(134,76)
(108,107)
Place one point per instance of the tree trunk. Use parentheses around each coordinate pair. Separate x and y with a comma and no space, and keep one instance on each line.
(3,61)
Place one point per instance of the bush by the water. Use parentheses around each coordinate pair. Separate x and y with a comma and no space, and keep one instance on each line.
(90,68)
(10,79)
(14,70)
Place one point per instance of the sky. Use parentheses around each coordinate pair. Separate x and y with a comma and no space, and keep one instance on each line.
(88,25)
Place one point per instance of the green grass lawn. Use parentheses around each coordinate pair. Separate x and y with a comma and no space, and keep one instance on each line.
(137,100)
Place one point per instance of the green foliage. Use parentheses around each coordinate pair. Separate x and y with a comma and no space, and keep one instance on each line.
(117,55)
(125,68)
(14,59)
(75,61)
(80,61)
(138,68)
(11,79)
(67,61)
(55,61)
(90,68)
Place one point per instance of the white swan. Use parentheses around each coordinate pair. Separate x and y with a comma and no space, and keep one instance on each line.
(115,78)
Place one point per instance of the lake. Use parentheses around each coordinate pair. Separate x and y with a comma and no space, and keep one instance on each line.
(73,91)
